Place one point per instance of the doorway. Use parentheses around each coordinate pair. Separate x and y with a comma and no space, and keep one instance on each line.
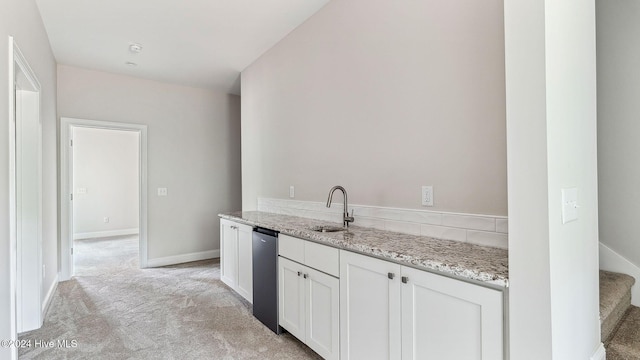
(25,171)
(105,202)
(84,183)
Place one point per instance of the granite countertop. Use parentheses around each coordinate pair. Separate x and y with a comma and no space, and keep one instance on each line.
(456,259)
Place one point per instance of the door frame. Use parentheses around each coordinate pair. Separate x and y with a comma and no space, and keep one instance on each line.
(66,177)
(18,63)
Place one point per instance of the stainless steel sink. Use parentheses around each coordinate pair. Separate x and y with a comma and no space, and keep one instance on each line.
(327,228)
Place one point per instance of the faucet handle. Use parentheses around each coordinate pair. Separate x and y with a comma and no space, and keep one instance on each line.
(348,218)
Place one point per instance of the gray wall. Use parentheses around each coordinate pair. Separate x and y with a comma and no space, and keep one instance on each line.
(21,19)
(193,150)
(618,31)
(382,97)
(105,165)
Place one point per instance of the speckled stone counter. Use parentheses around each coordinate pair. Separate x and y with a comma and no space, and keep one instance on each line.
(465,261)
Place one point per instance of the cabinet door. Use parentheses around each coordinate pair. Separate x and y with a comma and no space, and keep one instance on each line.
(370,316)
(448,319)
(228,253)
(322,313)
(291,309)
(245,263)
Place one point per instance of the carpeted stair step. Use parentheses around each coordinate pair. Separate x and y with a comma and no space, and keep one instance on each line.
(615,299)
(625,342)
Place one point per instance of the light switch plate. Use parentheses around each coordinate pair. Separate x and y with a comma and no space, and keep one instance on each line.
(569,205)
(292,191)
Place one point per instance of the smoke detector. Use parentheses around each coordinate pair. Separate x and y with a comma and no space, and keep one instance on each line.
(135,48)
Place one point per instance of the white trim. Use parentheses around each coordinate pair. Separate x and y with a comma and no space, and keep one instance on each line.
(13,260)
(29,314)
(599,354)
(66,217)
(612,261)
(47,300)
(108,233)
(184,258)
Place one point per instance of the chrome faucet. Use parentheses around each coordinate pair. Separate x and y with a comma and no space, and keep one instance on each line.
(346,219)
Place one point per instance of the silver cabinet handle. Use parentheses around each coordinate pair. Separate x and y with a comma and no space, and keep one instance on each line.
(391,275)
(405,279)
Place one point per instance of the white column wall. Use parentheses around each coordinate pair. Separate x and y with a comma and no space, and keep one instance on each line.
(551,145)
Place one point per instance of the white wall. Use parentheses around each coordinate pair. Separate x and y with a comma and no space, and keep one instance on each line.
(106,169)
(382,97)
(193,150)
(20,18)
(618,24)
(551,137)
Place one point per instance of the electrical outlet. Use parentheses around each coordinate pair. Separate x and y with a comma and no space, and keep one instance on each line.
(427,195)
(162,191)
(106,219)
(292,191)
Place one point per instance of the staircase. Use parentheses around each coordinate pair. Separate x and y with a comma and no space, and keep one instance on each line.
(620,321)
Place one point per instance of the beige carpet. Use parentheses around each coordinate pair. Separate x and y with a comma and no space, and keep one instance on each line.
(625,343)
(113,310)
(615,299)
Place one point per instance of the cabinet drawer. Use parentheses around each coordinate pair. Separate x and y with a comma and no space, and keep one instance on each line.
(322,257)
(291,248)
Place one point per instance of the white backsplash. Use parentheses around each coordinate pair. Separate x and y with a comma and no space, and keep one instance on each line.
(487,230)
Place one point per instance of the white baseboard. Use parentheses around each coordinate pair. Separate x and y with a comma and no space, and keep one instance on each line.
(612,261)
(599,354)
(183,258)
(47,300)
(100,234)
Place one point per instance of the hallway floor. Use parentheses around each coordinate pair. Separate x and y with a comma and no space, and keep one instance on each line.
(113,310)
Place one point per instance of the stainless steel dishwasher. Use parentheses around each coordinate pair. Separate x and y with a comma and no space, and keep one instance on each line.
(265,277)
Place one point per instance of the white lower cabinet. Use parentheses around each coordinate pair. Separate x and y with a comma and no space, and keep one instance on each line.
(236,260)
(228,253)
(370,321)
(244,285)
(448,319)
(388,311)
(323,314)
(309,307)
(291,297)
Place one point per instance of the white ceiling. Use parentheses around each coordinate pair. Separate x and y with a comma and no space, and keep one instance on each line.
(202,43)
